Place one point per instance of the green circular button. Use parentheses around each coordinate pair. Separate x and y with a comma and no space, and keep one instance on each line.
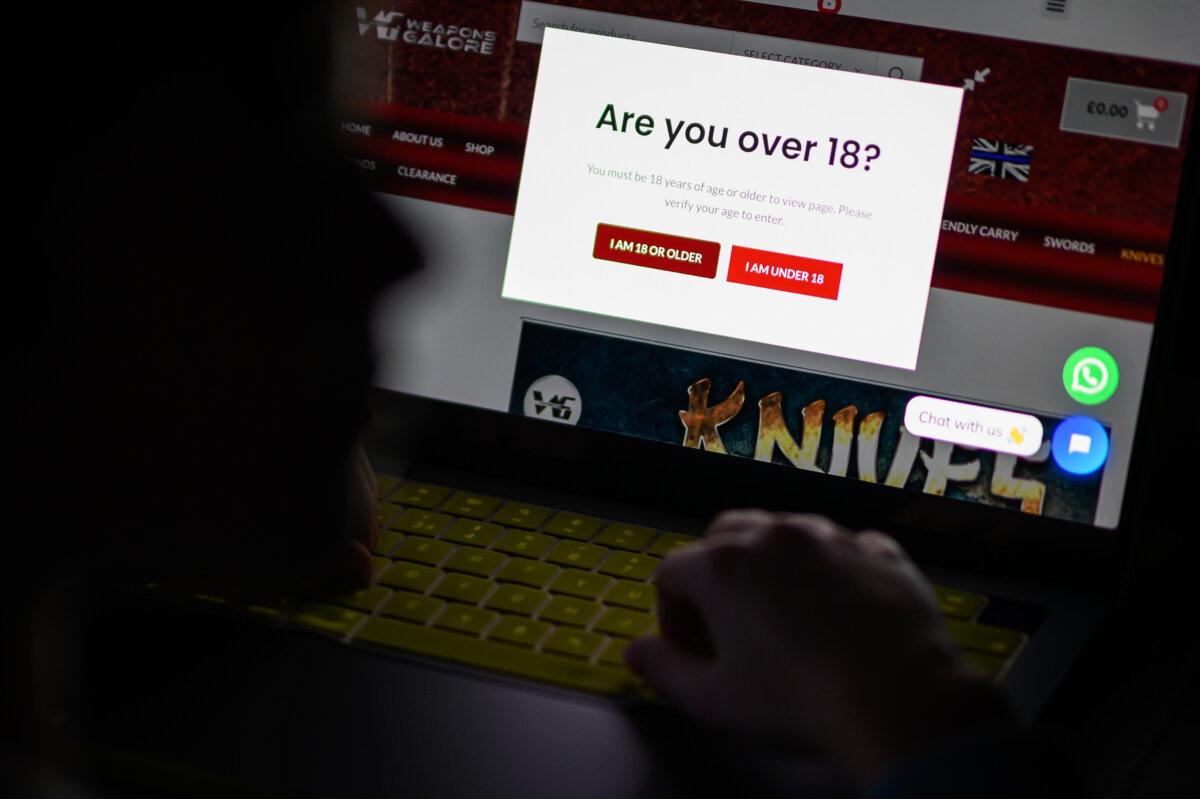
(1090,375)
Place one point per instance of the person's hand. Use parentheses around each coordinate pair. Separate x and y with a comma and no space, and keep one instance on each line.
(331,556)
(362,495)
(344,558)
(789,626)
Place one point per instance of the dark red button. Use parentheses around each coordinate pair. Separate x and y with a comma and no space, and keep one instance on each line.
(794,273)
(657,250)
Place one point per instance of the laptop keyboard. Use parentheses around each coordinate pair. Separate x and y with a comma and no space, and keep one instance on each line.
(525,590)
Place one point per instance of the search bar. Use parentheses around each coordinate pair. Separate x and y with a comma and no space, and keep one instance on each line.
(975,426)
(845,59)
(537,17)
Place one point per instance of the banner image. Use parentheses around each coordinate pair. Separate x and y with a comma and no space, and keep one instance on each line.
(839,427)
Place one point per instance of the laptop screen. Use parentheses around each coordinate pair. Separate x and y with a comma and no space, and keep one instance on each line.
(914,245)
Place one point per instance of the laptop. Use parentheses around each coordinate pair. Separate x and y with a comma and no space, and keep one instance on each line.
(907,266)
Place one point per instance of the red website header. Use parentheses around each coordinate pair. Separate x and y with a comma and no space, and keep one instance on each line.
(1034,212)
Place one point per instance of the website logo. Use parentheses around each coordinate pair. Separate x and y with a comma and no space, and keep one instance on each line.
(555,399)
(393,26)
(385,23)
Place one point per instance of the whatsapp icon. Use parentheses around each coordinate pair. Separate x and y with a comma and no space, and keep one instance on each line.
(1090,375)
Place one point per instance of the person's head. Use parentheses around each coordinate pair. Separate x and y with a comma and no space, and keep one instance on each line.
(206,264)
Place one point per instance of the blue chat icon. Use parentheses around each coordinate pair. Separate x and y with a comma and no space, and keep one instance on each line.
(1079,445)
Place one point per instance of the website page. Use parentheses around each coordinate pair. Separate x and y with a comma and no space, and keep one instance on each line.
(924,253)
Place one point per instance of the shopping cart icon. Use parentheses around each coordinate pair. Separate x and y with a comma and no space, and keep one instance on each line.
(1147,115)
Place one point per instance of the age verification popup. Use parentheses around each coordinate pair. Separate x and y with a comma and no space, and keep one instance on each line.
(769,202)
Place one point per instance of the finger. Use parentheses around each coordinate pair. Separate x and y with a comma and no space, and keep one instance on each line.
(818,529)
(364,463)
(359,565)
(682,623)
(339,564)
(344,563)
(361,500)
(347,563)
(686,575)
(681,678)
(880,545)
(805,528)
(737,521)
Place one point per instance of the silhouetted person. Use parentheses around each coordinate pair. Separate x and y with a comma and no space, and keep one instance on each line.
(203,268)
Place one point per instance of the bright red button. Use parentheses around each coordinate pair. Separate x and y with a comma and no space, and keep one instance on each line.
(657,250)
(774,270)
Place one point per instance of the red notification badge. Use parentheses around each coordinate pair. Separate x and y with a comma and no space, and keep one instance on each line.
(829,6)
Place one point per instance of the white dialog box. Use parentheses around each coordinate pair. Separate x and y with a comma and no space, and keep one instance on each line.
(762,201)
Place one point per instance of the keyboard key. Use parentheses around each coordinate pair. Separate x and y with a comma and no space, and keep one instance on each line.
(625,536)
(519,631)
(574,553)
(465,619)
(384,513)
(575,643)
(387,540)
(367,599)
(527,572)
(566,610)
(473,506)
(520,542)
(614,654)
(419,495)
(572,525)
(462,587)
(669,541)
(326,618)
(523,515)
(627,623)
(983,638)
(410,576)
(517,599)
(209,598)
(958,604)
(494,655)
(379,564)
(465,531)
(412,607)
(580,583)
(473,560)
(419,522)
(264,607)
(987,666)
(423,550)
(629,565)
(263,612)
(385,484)
(640,596)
